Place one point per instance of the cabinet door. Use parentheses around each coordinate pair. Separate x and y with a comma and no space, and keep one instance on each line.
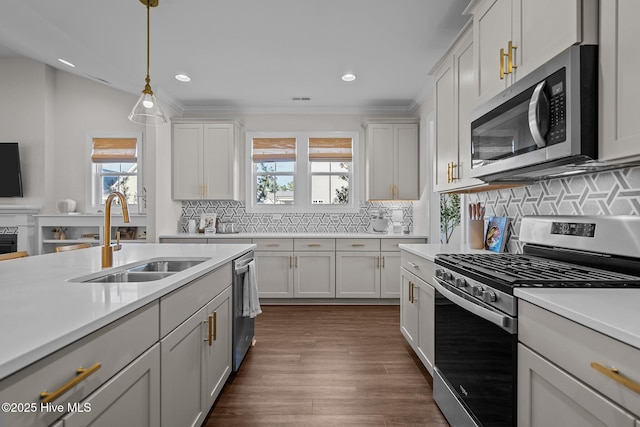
(426,325)
(492,31)
(390,275)
(380,162)
(409,310)
(357,274)
(446,144)
(219,161)
(406,167)
(465,102)
(276,279)
(132,397)
(619,92)
(549,396)
(218,349)
(314,275)
(187,161)
(542,34)
(183,371)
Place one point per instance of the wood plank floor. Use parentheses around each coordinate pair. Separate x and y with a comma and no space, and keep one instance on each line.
(328,366)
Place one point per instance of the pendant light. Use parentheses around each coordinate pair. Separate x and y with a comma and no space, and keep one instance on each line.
(147,110)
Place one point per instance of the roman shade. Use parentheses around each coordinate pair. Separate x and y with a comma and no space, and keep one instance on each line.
(330,149)
(274,149)
(114,150)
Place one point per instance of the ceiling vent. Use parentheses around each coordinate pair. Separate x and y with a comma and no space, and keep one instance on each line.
(301,98)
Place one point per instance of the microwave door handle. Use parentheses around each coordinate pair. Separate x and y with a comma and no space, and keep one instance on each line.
(534,106)
(497,319)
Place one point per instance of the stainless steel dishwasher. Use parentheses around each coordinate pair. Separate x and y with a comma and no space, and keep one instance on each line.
(243,327)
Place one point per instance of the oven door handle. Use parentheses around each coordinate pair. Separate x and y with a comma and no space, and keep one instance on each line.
(505,322)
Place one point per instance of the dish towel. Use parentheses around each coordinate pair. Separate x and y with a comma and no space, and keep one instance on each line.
(250,301)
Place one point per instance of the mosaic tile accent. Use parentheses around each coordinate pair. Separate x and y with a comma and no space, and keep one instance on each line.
(8,230)
(615,192)
(291,222)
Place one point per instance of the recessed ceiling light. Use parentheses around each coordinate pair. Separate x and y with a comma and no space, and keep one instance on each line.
(349,77)
(67,63)
(183,78)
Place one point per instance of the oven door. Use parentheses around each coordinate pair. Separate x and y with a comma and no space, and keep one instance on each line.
(475,360)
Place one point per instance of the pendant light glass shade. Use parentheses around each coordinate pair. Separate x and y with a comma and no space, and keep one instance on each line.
(147,110)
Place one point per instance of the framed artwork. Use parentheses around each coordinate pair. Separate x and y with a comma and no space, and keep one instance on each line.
(207,220)
(497,233)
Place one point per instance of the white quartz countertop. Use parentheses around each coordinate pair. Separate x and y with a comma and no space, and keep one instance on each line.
(429,251)
(41,310)
(612,312)
(371,235)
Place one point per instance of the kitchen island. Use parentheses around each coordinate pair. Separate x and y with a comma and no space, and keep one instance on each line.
(50,319)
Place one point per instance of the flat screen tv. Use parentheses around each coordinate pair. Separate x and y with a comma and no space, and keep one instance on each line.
(10,176)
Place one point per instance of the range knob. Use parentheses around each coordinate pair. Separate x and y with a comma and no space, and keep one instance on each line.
(460,283)
(477,291)
(447,276)
(489,296)
(439,273)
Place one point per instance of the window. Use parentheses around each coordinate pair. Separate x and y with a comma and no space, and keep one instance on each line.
(115,164)
(302,172)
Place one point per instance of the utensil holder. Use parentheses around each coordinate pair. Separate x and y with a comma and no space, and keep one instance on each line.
(476,233)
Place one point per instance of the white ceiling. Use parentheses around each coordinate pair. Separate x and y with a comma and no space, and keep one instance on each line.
(245,55)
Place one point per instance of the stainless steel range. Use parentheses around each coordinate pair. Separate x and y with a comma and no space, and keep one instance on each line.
(476,313)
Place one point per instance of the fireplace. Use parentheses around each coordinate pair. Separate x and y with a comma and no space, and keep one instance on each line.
(8,243)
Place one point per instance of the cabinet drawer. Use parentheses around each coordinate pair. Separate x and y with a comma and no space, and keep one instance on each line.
(273,244)
(574,348)
(229,240)
(392,244)
(419,266)
(200,240)
(358,245)
(314,244)
(113,347)
(182,303)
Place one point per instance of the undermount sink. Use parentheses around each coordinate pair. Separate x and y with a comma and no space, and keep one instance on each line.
(129,276)
(166,265)
(145,271)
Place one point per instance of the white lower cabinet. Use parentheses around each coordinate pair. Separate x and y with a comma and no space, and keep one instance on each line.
(357,274)
(314,275)
(193,371)
(417,317)
(131,398)
(549,396)
(276,274)
(389,268)
(566,375)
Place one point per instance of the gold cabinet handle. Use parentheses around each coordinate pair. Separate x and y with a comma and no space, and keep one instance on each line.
(82,374)
(290,261)
(409,293)
(210,330)
(396,191)
(296,261)
(313,245)
(615,375)
(377,262)
(502,55)
(448,173)
(382,259)
(356,245)
(510,63)
(215,325)
(273,245)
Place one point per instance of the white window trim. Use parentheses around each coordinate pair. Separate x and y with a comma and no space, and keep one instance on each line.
(302,175)
(92,183)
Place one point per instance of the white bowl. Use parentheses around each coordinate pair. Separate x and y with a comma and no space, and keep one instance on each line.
(380,224)
(66,206)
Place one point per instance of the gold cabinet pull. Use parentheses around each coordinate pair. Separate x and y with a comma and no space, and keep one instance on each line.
(290,261)
(355,245)
(377,262)
(273,245)
(396,191)
(409,293)
(448,173)
(313,245)
(215,325)
(296,261)
(210,326)
(510,63)
(382,259)
(390,190)
(82,374)
(502,55)
(615,375)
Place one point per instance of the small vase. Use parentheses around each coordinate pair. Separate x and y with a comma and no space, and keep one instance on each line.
(56,235)
(63,235)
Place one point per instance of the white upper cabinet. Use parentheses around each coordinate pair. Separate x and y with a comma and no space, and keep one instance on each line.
(392,161)
(206,161)
(619,92)
(454,97)
(514,37)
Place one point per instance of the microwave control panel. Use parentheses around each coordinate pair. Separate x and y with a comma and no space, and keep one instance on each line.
(557,108)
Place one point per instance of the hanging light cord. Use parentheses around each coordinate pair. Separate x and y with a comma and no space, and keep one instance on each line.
(147,87)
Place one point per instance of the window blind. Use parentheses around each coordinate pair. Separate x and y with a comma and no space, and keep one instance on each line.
(114,150)
(330,149)
(274,149)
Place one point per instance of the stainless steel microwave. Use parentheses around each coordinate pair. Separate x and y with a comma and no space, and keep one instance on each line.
(544,125)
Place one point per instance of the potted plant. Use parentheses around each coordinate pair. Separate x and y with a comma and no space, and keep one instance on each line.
(449,215)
